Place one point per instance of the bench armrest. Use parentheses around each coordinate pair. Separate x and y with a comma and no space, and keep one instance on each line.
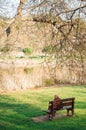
(50,102)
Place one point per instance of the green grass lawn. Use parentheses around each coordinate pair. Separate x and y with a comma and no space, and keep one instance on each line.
(18,108)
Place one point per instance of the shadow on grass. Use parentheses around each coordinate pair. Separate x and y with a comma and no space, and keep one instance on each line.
(16,115)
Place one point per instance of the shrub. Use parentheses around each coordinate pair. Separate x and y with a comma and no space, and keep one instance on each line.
(49,82)
(50,49)
(5,49)
(47,49)
(17,27)
(37,87)
(28,51)
(28,70)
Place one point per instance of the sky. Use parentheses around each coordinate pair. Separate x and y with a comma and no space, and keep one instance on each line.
(8,8)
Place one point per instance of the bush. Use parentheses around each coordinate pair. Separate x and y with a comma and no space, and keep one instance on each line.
(47,49)
(49,82)
(5,49)
(28,70)
(50,49)
(28,51)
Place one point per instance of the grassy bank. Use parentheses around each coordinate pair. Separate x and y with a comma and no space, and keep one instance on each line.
(18,108)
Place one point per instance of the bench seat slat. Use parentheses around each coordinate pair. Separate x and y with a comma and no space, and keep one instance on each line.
(67,104)
(66,107)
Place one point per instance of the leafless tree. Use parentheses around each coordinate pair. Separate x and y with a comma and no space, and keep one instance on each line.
(68,28)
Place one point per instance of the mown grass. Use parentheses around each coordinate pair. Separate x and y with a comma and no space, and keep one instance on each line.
(18,108)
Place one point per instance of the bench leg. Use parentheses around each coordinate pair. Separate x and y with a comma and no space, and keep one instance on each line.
(54,113)
(67,112)
(72,112)
(50,116)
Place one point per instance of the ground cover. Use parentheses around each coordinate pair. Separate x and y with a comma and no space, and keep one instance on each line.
(18,108)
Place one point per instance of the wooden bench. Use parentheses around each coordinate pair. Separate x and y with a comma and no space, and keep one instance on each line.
(67,104)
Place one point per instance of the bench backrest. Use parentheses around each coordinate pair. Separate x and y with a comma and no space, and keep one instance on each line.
(65,104)
(68,103)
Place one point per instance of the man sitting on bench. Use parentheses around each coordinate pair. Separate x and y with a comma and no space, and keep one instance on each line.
(53,106)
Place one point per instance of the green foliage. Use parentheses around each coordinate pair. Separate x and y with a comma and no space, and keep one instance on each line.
(5,49)
(28,70)
(47,49)
(49,82)
(17,109)
(28,51)
(50,49)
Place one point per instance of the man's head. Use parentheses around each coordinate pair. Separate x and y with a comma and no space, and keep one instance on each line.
(55,96)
